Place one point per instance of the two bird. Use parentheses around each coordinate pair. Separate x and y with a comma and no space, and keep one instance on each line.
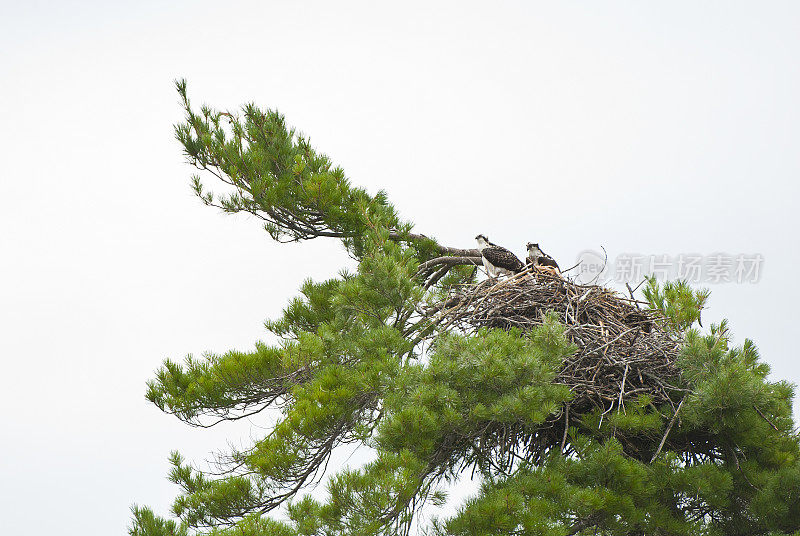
(500,261)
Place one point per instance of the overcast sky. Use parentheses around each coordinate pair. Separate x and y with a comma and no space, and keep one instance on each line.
(645,128)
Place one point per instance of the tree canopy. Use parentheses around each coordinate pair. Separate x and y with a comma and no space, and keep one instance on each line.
(362,361)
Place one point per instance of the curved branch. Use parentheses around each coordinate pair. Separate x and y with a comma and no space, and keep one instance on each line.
(397,236)
(450,261)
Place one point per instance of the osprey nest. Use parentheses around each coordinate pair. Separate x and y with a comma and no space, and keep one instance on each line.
(624,351)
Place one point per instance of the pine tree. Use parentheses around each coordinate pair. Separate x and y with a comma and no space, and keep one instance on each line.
(362,362)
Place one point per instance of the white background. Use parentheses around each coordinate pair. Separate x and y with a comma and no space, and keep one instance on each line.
(642,127)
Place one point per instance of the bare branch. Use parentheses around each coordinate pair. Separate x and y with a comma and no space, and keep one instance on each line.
(397,236)
(664,439)
(765,418)
(449,261)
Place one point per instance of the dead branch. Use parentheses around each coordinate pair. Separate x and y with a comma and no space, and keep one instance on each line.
(426,266)
(664,438)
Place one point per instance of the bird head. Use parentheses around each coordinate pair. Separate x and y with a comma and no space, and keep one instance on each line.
(532,247)
(482,240)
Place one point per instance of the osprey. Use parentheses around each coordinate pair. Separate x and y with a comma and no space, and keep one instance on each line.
(537,257)
(497,260)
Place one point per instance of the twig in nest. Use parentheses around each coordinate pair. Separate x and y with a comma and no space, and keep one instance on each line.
(622,389)
(633,298)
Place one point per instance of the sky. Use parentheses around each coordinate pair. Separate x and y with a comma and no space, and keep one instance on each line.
(645,129)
